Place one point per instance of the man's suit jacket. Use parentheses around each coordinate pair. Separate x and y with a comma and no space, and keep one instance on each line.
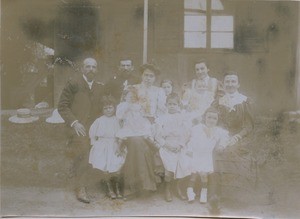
(79,102)
(115,86)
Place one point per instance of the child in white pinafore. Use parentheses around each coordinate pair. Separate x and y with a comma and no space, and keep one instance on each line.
(105,153)
(171,137)
(204,138)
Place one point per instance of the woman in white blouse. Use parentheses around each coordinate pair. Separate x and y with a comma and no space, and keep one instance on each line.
(139,168)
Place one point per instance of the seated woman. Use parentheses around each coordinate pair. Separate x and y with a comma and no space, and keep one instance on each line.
(139,167)
(236,117)
(131,116)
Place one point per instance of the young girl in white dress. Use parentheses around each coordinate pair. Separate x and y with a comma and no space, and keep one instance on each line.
(204,138)
(171,137)
(105,153)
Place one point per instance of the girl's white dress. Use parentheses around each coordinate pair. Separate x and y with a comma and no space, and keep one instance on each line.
(171,130)
(103,154)
(134,123)
(202,142)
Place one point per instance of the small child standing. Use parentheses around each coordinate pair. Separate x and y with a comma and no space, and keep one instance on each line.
(171,136)
(105,153)
(204,138)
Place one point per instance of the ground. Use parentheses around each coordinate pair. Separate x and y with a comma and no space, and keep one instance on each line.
(34,172)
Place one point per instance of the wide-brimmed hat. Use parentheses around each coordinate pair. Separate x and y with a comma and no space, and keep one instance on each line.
(55,117)
(23,116)
(151,67)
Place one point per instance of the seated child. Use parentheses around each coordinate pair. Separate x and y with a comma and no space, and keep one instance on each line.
(197,100)
(131,115)
(170,138)
(204,138)
(105,152)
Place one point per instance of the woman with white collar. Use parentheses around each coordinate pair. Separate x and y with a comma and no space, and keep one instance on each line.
(235,109)
(236,117)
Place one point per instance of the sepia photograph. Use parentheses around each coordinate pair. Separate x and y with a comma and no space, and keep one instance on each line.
(150,108)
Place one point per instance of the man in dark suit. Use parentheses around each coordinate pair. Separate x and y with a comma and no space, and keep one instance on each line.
(79,106)
(124,77)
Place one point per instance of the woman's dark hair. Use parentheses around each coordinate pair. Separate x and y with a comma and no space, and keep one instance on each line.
(202,61)
(150,67)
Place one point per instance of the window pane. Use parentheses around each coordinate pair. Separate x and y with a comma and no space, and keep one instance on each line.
(195,4)
(195,39)
(201,5)
(222,23)
(194,23)
(222,40)
(217,5)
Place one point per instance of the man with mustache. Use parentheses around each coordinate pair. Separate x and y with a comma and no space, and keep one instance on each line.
(79,106)
(124,77)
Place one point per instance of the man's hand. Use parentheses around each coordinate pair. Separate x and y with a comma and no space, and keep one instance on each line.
(79,129)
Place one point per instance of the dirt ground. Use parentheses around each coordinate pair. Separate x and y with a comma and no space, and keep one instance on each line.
(34,167)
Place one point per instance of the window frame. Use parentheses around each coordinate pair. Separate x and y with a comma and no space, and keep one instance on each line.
(208,13)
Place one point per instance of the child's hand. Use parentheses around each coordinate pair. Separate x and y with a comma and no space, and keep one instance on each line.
(120,151)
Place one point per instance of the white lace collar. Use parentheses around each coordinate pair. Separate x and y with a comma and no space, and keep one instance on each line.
(231,100)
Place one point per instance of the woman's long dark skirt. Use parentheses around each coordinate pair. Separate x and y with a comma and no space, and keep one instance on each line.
(139,168)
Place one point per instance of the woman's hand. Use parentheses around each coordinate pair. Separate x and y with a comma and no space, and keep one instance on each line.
(234,139)
(121,150)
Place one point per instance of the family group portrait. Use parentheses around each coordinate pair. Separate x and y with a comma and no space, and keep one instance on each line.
(150,108)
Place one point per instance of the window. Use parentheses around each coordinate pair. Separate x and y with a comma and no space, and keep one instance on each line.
(206,25)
